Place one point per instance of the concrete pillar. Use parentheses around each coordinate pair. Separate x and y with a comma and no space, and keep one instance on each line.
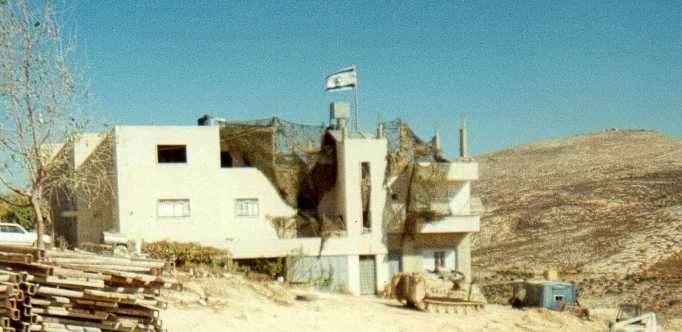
(436,142)
(463,140)
(382,277)
(354,274)
(412,257)
(464,256)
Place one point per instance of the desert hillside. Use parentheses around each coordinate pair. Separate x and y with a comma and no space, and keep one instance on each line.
(604,207)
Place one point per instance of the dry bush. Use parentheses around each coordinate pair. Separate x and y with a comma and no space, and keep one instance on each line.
(188,253)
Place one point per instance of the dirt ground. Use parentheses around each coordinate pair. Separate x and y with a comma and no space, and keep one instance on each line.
(347,313)
(235,304)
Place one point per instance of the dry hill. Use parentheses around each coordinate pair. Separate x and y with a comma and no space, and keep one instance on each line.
(605,208)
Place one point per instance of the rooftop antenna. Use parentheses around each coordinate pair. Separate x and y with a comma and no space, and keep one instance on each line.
(355,100)
(463,144)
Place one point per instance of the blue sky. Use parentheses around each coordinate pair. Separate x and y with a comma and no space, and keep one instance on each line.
(520,71)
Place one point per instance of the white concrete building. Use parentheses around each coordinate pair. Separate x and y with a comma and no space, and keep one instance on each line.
(190,183)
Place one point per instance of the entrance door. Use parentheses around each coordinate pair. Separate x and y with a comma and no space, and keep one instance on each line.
(367,275)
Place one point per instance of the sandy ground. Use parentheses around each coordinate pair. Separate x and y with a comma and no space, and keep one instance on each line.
(368,314)
(238,305)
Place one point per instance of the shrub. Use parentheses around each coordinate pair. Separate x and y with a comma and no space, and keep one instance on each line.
(273,267)
(187,253)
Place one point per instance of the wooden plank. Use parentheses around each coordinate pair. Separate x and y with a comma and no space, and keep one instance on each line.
(76,291)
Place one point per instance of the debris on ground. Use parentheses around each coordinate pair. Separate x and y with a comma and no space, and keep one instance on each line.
(55,290)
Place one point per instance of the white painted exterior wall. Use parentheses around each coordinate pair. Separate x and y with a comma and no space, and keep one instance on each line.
(85,145)
(212,191)
(457,227)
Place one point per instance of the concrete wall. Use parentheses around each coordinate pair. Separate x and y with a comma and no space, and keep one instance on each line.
(210,189)
(326,272)
(415,249)
(459,194)
(352,152)
(463,250)
(82,213)
(461,170)
(140,181)
(355,245)
(97,201)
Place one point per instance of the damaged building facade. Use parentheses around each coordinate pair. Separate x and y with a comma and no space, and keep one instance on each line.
(347,209)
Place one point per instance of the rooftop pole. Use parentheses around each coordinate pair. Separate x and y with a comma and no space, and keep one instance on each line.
(355,99)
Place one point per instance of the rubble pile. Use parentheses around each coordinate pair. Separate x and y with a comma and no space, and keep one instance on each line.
(54,290)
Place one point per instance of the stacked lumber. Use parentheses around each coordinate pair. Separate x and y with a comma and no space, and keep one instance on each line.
(53,290)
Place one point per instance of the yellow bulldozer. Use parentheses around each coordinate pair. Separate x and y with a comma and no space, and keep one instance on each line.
(441,292)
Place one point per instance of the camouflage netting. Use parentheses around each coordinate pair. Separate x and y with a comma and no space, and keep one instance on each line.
(423,189)
(299,160)
(429,189)
(405,147)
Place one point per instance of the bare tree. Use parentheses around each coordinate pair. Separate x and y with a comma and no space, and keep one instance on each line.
(39,94)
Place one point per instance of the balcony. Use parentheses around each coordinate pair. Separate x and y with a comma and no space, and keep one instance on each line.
(450,224)
(463,171)
(458,170)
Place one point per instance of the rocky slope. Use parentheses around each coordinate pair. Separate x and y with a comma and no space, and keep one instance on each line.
(605,208)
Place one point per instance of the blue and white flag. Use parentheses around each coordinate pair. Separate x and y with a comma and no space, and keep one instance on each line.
(343,79)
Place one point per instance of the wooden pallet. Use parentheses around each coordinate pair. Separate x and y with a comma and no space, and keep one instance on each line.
(52,290)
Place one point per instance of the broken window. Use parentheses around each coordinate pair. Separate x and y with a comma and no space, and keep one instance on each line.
(173,208)
(366,190)
(226,160)
(172,153)
(247,207)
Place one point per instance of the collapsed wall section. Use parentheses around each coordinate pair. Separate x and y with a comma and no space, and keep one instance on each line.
(299,160)
(414,177)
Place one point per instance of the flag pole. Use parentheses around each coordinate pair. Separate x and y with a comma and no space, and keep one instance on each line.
(355,99)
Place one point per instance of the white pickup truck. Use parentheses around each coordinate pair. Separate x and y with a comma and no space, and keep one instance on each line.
(11,233)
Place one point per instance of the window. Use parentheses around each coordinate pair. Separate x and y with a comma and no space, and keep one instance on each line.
(247,207)
(226,159)
(558,298)
(173,208)
(439,260)
(10,229)
(366,193)
(172,154)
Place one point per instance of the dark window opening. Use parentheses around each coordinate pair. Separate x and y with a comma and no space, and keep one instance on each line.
(439,260)
(366,190)
(305,202)
(226,160)
(558,298)
(172,153)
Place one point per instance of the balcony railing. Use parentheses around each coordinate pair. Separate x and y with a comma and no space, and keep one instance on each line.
(463,171)
(451,224)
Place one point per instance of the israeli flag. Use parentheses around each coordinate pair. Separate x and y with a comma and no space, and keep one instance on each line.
(343,79)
